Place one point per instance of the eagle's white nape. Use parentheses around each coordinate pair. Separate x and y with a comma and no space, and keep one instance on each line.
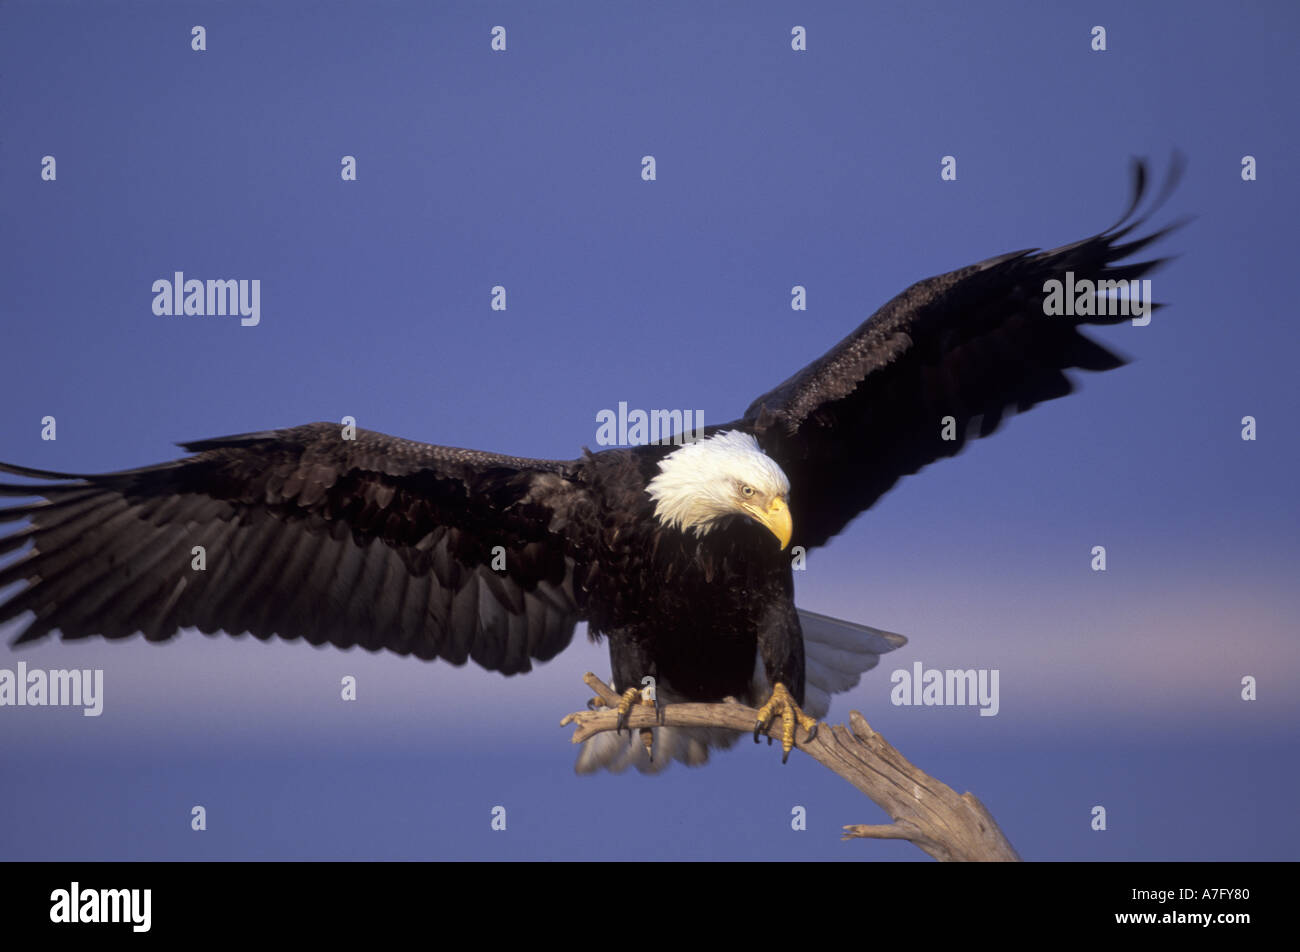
(699,484)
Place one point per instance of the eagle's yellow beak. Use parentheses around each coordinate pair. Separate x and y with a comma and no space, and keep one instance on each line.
(776,518)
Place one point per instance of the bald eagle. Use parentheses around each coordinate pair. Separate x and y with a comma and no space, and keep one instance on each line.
(677,553)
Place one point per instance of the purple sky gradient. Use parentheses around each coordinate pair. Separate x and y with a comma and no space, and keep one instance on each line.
(775,168)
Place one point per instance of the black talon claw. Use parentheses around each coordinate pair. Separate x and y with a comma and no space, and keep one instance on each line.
(812,734)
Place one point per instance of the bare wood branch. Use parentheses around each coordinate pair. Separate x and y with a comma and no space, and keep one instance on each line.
(947,825)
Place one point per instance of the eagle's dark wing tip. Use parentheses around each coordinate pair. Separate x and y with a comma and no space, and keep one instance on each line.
(1139,172)
(1141,181)
(15,470)
(244,439)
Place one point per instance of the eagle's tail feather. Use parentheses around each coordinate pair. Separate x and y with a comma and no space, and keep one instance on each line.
(836,652)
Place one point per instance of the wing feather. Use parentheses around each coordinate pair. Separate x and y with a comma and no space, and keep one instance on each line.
(974,344)
(371,541)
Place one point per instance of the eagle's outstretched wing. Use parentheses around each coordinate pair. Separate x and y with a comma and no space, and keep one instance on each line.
(373,541)
(973,344)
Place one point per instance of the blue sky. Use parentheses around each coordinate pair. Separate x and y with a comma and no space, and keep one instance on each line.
(774,168)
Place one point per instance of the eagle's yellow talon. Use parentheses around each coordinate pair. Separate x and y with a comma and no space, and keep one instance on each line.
(631,697)
(781,703)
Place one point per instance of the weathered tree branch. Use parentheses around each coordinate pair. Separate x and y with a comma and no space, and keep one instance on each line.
(947,825)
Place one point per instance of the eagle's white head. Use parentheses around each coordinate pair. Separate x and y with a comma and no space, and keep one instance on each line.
(726,474)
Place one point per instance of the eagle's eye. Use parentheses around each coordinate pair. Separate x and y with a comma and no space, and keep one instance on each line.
(747,490)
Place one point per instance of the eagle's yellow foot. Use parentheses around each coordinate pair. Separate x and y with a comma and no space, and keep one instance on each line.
(631,697)
(781,703)
(624,705)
